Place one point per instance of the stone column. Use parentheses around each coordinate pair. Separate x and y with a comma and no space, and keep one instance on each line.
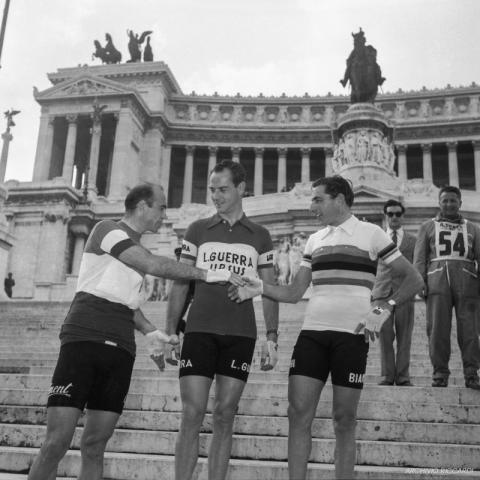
(188,175)
(151,156)
(476,158)
(119,171)
(305,177)
(7,137)
(212,161)
(328,161)
(80,228)
(77,254)
(94,154)
(427,162)
(282,169)
(69,157)
(452,164)
(258,175)
(236,154)
(402,162)
(43,155)
(165,174)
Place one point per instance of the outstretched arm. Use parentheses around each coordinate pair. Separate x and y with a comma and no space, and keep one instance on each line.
(282,293)
(142,260)
(290,293)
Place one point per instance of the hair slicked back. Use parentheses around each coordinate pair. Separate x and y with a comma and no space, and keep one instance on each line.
(236,169)
(336,185)
(393,203)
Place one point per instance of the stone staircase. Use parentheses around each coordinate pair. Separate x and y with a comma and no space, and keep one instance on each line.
(403,432)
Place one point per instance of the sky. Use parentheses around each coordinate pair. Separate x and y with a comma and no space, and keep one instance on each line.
(229,46)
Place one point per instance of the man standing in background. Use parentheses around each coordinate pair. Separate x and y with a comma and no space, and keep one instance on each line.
(395,368)
(446,253)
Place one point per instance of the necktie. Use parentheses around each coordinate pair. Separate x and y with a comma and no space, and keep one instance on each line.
(394,237)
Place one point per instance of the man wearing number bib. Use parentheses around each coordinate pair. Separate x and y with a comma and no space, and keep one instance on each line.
(446,252)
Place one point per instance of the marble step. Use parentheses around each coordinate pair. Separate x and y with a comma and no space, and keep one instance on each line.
(416,379)
(449,395)
(380,453)
(384,430)
(395,409)
(127,466)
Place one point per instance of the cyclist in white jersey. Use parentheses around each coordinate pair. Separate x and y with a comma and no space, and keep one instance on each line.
(447,252)
(340,261)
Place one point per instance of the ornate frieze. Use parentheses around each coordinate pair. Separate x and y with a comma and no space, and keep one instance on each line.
(204,136)
(437,131)
(363,147)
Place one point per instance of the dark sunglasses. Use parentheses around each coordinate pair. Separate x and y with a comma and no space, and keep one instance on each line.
(397,214)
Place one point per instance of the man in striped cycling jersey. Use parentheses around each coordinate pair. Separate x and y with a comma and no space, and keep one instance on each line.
(340,261)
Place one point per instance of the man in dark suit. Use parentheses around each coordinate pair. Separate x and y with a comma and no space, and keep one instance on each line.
(395,368)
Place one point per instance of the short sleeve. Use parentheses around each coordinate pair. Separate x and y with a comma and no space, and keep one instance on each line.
(111,239)
(307,253)
(190,243)
(266,253)
(383,248)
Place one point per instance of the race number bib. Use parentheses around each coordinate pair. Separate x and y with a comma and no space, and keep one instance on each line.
(451,241)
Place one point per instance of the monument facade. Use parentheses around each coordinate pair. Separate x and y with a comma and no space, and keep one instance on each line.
(106,128)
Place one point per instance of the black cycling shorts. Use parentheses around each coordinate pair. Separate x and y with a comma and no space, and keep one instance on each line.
(207,354)
(318,353)
(91,374)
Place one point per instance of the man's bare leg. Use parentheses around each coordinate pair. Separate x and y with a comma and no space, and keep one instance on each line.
(303,395)
(228,391)
(344,413)
(194,391)
(61,423)
(99,427)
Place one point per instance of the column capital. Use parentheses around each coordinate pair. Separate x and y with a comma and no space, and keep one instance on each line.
(71,117)
(259,151)
(426,147)
(476,144)
(212,150)
(51,120)
(282,151)
(402,148)
(236,150)
(452,146)
(305,150)
(190,149)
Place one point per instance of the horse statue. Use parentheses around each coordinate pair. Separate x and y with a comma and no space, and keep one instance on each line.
(107,54)
(134,45)
(362,71)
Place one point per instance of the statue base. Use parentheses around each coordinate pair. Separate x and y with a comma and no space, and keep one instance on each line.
(364,152)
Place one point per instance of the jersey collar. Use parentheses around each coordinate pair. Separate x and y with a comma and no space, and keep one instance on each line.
(457,220)
(348,226)
(216,219)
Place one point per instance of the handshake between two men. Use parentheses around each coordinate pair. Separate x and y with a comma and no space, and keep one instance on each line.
(241,289)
